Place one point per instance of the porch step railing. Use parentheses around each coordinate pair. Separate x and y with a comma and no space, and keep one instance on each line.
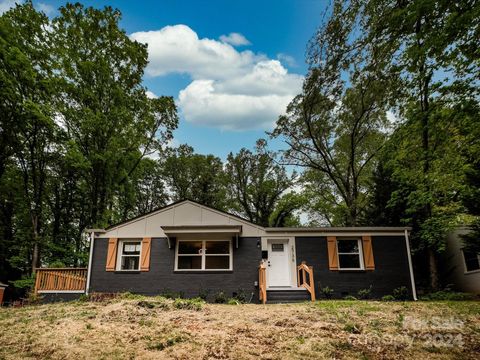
(61,279)
(262,282)
(305,278)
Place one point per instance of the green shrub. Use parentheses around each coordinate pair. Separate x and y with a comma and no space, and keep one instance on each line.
(448,295)
(233,301)
(203,294)
(130,296)
(240,295)
(189,304)
(220,297)
(388,298)
(349,297)
(326,292)
(400,293)
(169,294)
(364,294)
(26,283)
(83,298)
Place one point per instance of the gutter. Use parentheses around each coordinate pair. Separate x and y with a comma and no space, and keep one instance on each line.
(412,279)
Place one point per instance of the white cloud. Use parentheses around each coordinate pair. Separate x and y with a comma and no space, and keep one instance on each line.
(287,59)
(235,39)
(45,8)
(202,103)
(151,94)
(6,5)
(230,89)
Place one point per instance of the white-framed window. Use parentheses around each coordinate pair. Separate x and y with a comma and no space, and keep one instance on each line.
(198,255)
(350,254)
(128,254)
(472,260)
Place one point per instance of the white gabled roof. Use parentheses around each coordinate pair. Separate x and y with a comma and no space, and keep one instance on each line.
(183,213)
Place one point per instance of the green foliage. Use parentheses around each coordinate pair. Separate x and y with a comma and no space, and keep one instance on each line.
(203,294)
(189,304)
(255,184)
(220,297)
(233,301)
(388,298)
(365,294)
(401,293)
(194,176)
(25,283)
(448,296)
(349,297)
(170,294)
(326,292)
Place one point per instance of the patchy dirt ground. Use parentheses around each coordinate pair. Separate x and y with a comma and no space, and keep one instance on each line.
(157,328)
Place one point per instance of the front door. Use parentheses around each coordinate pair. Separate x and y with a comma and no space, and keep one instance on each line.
(278,266)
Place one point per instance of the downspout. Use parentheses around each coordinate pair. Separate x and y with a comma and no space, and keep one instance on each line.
(90,258)
(414,290)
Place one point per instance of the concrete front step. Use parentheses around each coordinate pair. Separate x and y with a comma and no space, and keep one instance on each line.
(287,295)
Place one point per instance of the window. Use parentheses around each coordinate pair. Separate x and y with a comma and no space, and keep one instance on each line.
(472,260)
(129,255)
(204,255)
(277,247)
(349,254)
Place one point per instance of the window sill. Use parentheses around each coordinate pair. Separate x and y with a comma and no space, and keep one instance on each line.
(203,271)
(127,271)
(472,272)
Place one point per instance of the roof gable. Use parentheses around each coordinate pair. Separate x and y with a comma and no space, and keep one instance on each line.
(183,213)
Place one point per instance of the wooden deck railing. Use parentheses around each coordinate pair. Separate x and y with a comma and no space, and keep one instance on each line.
(262,282)
(62,279)
(305,278)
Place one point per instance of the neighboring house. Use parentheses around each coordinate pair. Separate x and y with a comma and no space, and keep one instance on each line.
(190,248)
(461,268)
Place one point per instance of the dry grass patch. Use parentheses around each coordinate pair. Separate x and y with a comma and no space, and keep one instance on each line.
(153,328)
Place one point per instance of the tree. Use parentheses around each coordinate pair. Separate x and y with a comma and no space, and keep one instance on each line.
(103,105)
(337,142)
(144,192)
(194,176)
(28,74)
(256,184)
(425,44)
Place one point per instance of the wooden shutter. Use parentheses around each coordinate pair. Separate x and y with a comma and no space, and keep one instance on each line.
(332,252)
(112,254)
(145,260)
(368,252)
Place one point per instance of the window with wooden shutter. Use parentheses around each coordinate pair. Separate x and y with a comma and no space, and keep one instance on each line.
(332,252)
(368,253)
(145,261)
(111,254)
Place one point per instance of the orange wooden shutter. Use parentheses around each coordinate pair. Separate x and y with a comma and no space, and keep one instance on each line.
(332,252)
(145,261)
(368,253)
(112,254)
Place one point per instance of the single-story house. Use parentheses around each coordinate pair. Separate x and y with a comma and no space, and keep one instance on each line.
(190,248)
(460,268)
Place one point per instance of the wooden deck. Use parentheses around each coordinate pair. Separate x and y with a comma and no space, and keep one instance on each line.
(60,280)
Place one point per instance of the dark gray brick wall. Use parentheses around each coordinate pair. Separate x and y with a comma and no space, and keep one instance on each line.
(162,278)
(391,267)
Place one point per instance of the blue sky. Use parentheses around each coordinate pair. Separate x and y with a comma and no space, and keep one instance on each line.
(229,88)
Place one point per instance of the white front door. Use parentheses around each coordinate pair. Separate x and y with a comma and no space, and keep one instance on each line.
(278,266)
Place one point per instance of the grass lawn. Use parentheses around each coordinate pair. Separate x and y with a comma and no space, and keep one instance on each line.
(158,328)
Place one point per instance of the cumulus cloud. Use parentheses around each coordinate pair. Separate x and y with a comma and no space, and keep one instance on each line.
(235,39)
(45,8)
(230,89)
(287,59)
(6,5)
